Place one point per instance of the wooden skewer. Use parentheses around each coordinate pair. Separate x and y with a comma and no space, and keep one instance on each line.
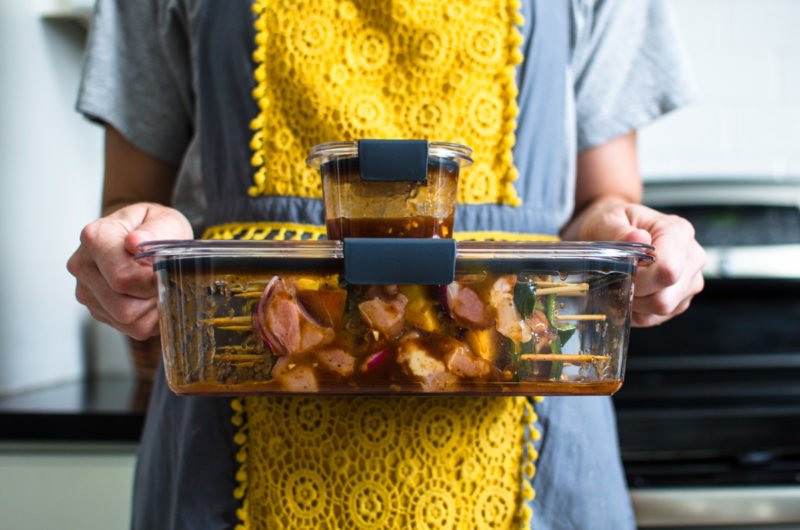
(576,288)
(563,357)
(581,317)
(557,284)
(234,357)
(242,349)
(249,294)
(228,321)
(255,285)
(236,328)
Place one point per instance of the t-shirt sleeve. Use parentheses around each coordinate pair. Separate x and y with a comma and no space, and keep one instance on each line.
(628,64)
(137,75)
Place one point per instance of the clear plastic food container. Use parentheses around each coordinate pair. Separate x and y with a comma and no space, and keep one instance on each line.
(371,317)
(389,188)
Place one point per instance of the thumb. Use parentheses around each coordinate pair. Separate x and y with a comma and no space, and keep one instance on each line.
(158,223)
(613,224)
(136,238)
(636,235)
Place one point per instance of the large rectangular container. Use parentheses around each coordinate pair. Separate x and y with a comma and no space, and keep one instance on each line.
(242,317)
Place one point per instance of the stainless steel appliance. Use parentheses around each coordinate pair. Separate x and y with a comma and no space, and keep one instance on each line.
(709,417)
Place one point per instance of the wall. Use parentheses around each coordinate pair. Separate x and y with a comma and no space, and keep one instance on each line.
(50,177)
(746,122)
(747,118)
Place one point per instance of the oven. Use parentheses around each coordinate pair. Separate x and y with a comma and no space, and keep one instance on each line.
(709,416)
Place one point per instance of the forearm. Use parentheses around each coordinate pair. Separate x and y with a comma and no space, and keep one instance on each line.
(133,176)
(607,175)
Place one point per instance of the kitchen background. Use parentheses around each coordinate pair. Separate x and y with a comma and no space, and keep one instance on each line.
(745,123)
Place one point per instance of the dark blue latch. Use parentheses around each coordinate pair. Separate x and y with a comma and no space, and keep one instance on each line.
(393,160)
(384,261)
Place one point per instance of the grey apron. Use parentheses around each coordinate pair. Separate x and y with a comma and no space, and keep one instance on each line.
(186,470)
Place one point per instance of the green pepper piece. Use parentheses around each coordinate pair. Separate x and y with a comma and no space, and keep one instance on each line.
(525,298)
(525,370)
(551,310)
(565,333)
(521,369)
(557,367)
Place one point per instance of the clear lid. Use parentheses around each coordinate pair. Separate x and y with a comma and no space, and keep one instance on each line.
(466,250)
(322,153)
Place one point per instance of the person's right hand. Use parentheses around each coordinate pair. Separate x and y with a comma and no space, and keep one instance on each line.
(118,290)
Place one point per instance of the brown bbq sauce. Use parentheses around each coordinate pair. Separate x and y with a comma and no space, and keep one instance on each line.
(530,388)
(427,321)
(406,227)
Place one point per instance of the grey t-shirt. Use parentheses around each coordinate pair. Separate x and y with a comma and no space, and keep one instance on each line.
(626,68)
(613,65)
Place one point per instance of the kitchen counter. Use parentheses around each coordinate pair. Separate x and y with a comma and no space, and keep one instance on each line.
(104,410)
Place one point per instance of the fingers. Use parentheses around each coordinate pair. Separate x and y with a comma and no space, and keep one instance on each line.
(654,309)
(612,222)
(118,290)
(122,308)
(158,224)
(141,326)
(103,252)
(676,252)
(665,288)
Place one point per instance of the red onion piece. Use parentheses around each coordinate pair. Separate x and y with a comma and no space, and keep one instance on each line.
(259,316)
(376,360)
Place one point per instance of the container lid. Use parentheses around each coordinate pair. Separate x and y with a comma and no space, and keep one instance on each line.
(322,153)
(398,261)
(465,250)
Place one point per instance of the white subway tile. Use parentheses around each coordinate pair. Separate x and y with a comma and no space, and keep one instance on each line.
(772,131)
(746,59)
(788,72)
(735,78)
(757,23)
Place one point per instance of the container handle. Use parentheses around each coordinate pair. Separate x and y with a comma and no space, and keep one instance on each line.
(393,160)
(386,261)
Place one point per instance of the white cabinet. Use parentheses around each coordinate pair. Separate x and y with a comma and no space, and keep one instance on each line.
(66,487)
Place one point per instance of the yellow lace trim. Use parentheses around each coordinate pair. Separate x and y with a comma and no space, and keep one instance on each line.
(265,230)
(349,69)
(367,463)
(296,231)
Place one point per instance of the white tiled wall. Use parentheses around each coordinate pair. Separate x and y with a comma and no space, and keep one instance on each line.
(746,58)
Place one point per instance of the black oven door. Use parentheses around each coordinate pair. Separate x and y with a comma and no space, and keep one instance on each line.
(709,416)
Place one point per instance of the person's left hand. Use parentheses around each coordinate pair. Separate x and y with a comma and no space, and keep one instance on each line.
(666,288)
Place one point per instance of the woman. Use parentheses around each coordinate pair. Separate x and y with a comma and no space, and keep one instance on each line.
(192,92)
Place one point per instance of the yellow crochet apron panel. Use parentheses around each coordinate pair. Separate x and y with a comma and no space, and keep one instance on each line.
(412,462)
(348,69)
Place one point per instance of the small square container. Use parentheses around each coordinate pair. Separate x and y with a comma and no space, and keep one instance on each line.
(389,188)
(244,317)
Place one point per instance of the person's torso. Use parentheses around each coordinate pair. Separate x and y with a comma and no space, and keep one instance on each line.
(222,37)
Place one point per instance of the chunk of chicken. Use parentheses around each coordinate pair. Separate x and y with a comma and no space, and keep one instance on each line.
(440,382)
(337,361)
(463,363)
(294,377)
(467,308)
(509,322)
(415,359)
(385,316)
(538,322)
